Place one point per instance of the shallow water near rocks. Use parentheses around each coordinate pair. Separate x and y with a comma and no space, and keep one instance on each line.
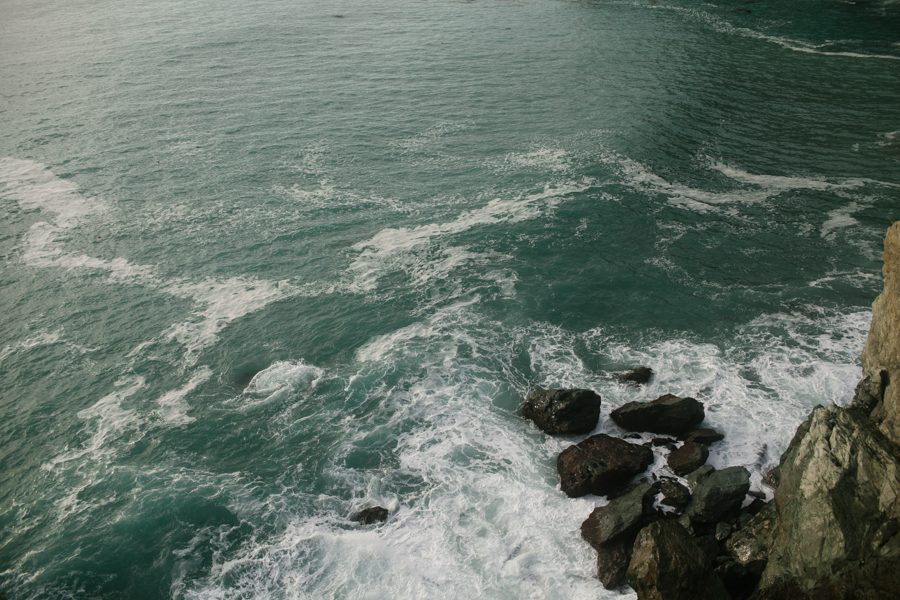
(266,265)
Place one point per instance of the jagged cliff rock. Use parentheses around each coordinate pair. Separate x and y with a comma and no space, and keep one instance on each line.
(837,508)
(835,528)
(882,350)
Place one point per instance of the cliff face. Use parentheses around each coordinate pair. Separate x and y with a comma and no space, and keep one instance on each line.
(835,528)
(882,350)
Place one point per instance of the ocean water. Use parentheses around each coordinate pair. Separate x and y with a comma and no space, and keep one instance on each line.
(265,264)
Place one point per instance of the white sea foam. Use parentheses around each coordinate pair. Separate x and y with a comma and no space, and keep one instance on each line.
(279,381)
(109,420)
(43,338)
(391,249)
(172,405)
(220,302)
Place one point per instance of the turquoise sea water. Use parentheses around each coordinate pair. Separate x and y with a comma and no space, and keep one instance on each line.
(266,264)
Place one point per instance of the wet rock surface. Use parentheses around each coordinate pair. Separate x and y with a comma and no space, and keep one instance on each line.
(687,459)
(639,376)
(667,565)
(563,411)
(667,414)
(703,436)
(600,465)
(719,495)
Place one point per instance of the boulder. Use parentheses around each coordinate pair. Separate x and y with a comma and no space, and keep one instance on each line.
(702,436)
(639,376)
(563,411)
(667,565)
(719,496)
(882,349)
(687,459)
(675,495)
(372,515)
(600,465)
(699,475)
(667,414)
(622,516)
(837,505)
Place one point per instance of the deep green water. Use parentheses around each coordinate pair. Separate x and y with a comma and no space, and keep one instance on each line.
(266,264)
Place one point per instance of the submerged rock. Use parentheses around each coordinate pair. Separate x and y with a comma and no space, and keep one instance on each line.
(372,515)
(687,459)
(667,414)
(668,565)
(600,465)
(719,495)
(563,411)
(640,375)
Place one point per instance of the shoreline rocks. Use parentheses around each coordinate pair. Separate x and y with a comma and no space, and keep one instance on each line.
(600,465)
(668,414)
(563,411)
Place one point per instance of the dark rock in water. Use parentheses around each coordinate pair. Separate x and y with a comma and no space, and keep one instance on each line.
(622,516)
(687,459)
(719,496)
(600,464)
(631,436)
(668,565)
(738,579)
(563,411)
(611,530)
(667,414)
(675,495)
(639,376)
(661,441)
(612,562)
(372,515)
(702,436)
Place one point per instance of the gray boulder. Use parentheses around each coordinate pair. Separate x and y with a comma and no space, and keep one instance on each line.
(667,414)
(563,411)
(667,565)
(600,465)
(620,517)
(719,496)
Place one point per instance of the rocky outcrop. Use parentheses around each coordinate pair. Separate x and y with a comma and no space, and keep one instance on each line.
(668,565)
(600,465)
(563,411)
(667,414)
(882,349)
(837,511)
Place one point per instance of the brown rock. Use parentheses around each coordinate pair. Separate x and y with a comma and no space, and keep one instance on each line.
(667,414)
(687,459)
(600,464)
